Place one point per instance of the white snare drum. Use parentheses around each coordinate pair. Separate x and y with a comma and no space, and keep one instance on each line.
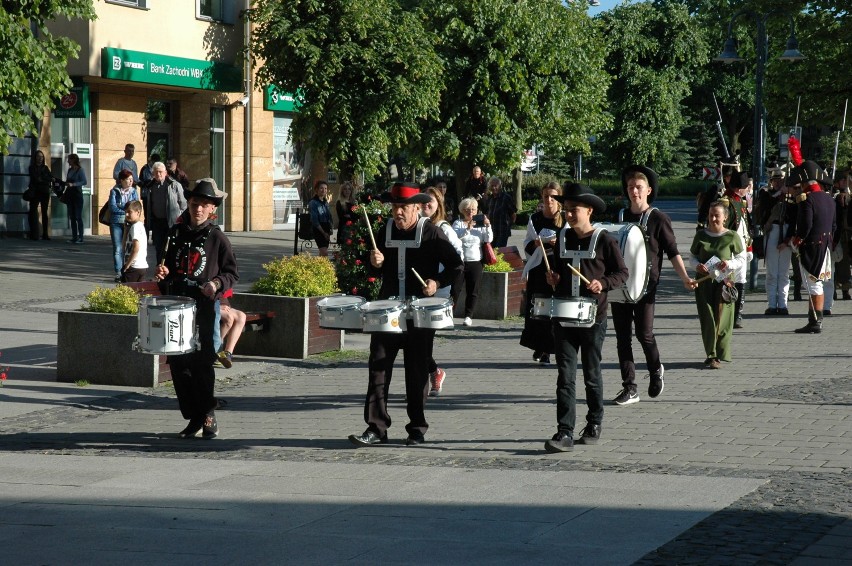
(432,312)
(383,316)
(634,249)
(568,311)
(166,325)
(340,312)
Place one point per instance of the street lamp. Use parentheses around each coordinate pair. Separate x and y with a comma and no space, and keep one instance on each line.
(729,55)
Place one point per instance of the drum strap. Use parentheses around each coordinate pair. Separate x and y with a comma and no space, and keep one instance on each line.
(643,220)
(574,256)
(401,245)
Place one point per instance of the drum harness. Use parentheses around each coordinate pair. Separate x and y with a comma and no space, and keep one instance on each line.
(578,255)
(401,245)
(643,220)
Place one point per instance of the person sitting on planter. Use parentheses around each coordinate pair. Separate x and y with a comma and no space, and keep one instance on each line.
(424,247)
(199,264)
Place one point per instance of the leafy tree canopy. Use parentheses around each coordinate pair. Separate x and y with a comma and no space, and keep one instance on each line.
(33,66)
(364,70)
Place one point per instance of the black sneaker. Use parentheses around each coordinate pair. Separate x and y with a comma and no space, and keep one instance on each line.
(561,442)
(738,322)
(537,355)
(544,359)
(656,386)
(192,429)
(415,439)
(626,397)
(771,311)
(211,427)
(783,311)
(590,435)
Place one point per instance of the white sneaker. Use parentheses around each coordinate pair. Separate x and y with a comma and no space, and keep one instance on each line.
(467,321)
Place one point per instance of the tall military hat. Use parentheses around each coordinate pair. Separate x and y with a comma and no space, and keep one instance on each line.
(808,172)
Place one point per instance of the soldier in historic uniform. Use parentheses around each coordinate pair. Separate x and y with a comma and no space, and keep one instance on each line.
(815,235)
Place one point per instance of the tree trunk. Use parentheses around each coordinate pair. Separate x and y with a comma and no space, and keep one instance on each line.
(462,170)
(518,182)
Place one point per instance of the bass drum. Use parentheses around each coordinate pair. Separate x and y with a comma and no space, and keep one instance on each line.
(634,248)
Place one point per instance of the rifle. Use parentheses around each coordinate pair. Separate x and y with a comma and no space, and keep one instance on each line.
(837,141)
(719,129)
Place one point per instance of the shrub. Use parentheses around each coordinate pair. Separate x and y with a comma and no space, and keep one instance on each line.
(302,275)
(353,259)
(501,266)
(116,300)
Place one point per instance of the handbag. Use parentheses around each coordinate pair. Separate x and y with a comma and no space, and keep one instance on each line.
(105,214)
(729,294)
(29,194)
(488,255)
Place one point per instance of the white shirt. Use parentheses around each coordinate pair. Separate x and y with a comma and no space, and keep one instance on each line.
(137,233)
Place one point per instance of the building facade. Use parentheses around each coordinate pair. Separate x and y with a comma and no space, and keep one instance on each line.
(170,78)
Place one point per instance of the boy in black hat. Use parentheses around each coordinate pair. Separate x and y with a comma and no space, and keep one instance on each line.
(639,185)
(423,247)
(596,256)
(199,264)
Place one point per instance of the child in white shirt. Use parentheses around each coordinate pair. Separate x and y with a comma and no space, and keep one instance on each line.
(135,266)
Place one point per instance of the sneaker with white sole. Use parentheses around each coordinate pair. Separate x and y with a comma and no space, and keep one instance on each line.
(468,321)
(626,397)
(436,380)
(656,386)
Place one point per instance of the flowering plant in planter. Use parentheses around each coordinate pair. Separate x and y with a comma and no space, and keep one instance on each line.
(4,370)
(352,262)
(501,266)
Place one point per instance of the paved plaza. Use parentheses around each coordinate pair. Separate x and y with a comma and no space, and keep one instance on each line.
(749,464)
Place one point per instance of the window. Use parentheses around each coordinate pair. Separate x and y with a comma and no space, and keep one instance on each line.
(211,9)
(133,3)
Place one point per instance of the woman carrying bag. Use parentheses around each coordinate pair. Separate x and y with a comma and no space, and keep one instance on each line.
(41,181)
(473,231)
(119,196)
(75,179)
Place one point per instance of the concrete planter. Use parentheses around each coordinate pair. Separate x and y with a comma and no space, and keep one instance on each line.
(293,333)
(501,295)
(97,347)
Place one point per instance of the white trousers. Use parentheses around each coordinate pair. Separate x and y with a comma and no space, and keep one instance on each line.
(777,269)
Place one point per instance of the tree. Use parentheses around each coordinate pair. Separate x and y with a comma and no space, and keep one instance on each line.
(653,53)
(364,71)
(33,66)
(516,73)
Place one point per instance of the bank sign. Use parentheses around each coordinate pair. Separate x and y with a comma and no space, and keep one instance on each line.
(153,68)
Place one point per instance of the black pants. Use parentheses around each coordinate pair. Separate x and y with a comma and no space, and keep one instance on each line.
(42,199)
(384,347)
(472,279)
(134,275)
(192,374)
(159,235)
(573,345)
(626,317)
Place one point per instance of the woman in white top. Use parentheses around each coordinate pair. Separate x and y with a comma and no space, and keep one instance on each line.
(436,212)
(473,233)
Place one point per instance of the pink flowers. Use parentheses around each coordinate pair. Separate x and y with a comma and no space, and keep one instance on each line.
(3,373)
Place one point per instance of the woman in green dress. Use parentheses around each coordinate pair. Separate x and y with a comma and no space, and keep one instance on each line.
(715,315)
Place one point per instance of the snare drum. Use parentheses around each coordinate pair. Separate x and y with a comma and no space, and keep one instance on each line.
(568,311)
(166,325)
(341,312)
(383,316)
(432,312)
(634,249)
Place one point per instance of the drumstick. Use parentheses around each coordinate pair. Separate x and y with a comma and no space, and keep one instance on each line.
(370,228)
(544,253)
(703,279)
(165,251)
(417,275)
(580,275)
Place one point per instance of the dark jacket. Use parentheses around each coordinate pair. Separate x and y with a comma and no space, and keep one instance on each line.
(816,225)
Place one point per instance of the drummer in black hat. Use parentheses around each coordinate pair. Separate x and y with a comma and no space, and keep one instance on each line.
(423,247)
(639,185)
(816,225)
(199,263)
(596,256)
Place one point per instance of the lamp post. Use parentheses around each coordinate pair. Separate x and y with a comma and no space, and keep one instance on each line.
(729,55)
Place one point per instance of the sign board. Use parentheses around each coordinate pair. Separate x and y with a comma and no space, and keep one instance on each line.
(141,67)
(783,136)
(277,100)
(711,173)
(75,104)
(285,193)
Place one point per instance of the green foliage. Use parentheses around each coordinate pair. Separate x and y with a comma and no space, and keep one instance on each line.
(33,67)
(516,73)
(654,50)
(301,275)
(365,71)
(502,266)
(354,273)
(116,300)
(82,383)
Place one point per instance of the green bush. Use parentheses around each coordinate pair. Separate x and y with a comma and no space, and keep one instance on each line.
(116,300)
(301,275)
(501,266)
